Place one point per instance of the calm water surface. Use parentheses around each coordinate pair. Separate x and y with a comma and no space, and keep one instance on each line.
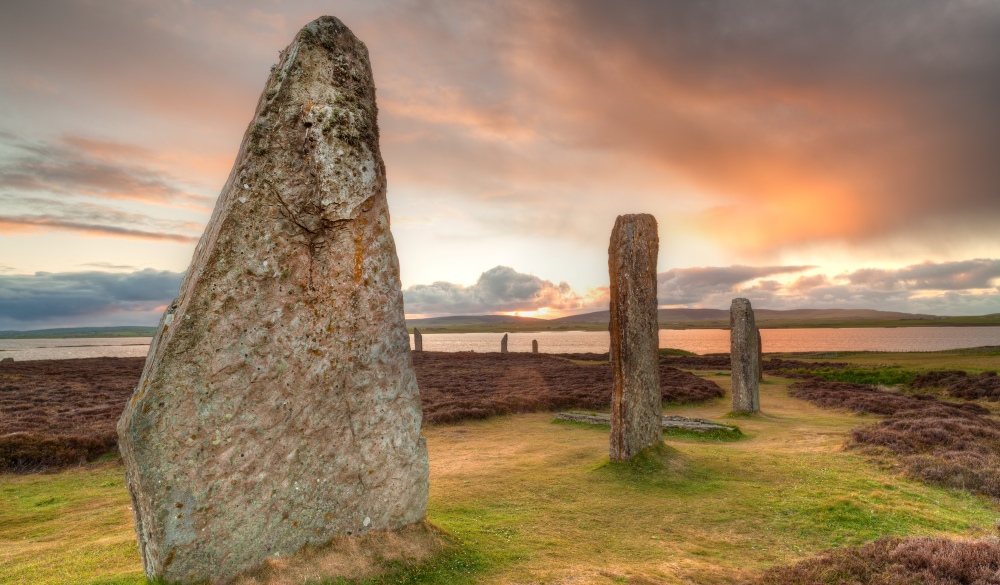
(696,340)
(84,347)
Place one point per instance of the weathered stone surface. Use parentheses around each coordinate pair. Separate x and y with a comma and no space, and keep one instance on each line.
(418,340)
(503,344)
(760,357)
(743,353)
(278,406)
(534,346)
(635,400)
(700,425)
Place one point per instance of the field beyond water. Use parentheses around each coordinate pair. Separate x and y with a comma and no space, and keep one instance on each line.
(524,499)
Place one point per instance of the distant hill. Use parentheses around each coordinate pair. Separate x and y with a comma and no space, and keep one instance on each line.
(699,319)
(598,321)
(70,332)
(467,320)
(762,315)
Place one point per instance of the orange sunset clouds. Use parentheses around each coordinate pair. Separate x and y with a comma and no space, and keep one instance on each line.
(789,150)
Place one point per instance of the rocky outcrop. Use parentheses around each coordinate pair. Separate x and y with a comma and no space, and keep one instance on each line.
(743,354)
(635,398)
(667,422)
(278,406)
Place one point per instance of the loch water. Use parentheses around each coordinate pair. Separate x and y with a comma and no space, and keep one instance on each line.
(695,340)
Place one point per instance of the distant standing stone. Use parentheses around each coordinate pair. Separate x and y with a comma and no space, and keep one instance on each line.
(760,357)
(743,338)
(636,407)
(503,344)
(418,340)
(534,346)
(278,407)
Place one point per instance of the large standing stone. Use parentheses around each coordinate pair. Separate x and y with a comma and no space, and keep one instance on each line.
(503,344)
(418,340)
(744,356)
(635,400)
(278,406)
(534,346)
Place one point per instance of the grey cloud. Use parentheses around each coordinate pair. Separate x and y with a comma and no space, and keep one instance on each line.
(78,166)
(17,222)
(70,298)
(63,214)
(681,286)
(969,274)
(499,289)
(503,289)
(905,289)
(898,99)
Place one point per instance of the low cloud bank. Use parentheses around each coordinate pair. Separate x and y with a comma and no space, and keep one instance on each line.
(969,287)
(499,289)
(81,299)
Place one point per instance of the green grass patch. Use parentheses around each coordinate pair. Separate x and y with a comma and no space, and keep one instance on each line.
(744,415)
(885,375)
(652,465)
(671,351)
(714,435)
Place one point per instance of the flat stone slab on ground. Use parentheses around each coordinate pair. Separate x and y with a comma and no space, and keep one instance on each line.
(700,425)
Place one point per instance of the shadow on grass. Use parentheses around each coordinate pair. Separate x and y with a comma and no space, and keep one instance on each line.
(457,564)
(658,468)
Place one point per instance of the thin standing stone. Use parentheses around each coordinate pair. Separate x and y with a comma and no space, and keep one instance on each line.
(503,344)
(418,340)
(278,407)
(534,346)
(760,357)
(635,399)
(744,356)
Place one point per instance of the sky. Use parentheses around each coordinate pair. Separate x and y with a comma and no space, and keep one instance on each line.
(803,154)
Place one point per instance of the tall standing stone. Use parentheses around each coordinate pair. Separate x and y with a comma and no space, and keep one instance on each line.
(418,340)
(503,344)
(278,406)
(760,357)
(534,346)
(636,407)
(744,356)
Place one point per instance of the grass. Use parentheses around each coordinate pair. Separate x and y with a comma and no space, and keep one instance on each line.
(972,359)
(68,527)
(672,351)
(876,376)
(530,501)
